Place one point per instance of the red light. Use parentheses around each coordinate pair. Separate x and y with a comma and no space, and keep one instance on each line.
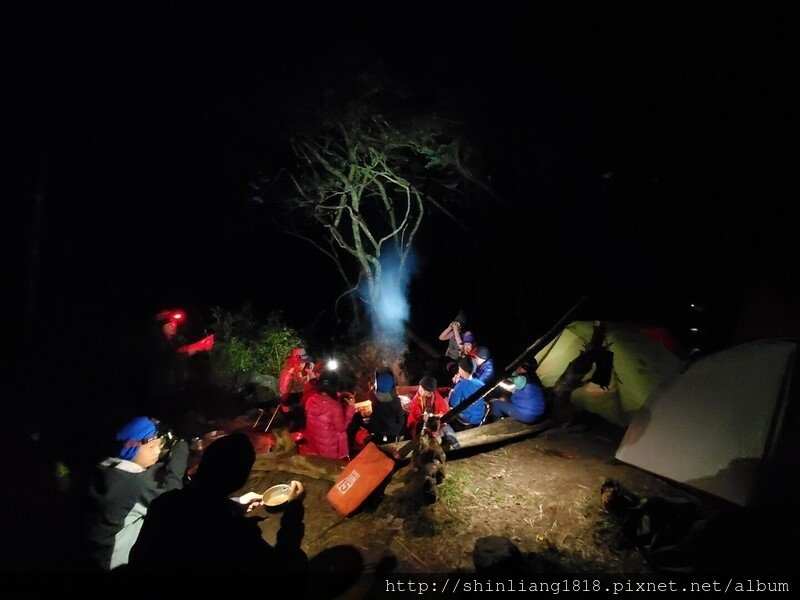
(172,315)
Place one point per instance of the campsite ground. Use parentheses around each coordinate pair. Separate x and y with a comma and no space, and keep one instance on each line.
(542,493)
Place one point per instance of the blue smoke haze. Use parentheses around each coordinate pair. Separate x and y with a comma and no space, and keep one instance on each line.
(391,310)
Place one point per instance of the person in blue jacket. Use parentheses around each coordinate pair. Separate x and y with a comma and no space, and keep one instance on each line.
(484,365)
(467,385)
(526,404)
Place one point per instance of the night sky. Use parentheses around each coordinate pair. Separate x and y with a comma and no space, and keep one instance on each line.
(641,153)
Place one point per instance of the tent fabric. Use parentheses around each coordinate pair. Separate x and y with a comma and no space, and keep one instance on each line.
(639,365)
(719,426)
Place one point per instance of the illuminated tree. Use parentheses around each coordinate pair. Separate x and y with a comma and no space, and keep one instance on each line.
(365,180)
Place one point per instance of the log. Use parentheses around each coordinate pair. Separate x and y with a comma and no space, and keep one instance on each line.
(507,429)
(312,466)
(499,431)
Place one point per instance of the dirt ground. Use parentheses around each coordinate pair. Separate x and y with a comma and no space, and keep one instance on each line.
(542,493)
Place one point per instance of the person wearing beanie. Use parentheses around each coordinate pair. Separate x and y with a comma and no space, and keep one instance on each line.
(468,345)
(473,415)
(484,365)
(388,417)
(213,534)
(425,403)
(122,487)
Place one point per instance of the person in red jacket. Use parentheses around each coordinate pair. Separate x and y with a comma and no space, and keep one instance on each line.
(327,418)
(293,376)
(426,402)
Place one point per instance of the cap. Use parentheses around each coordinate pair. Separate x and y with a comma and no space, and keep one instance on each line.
(468,337)
(328,381)
(133,434)
(384,382)
(483,353)
(428,383)
(467,364)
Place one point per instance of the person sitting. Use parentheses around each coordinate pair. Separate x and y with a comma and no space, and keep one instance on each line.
(293,376)
(426,402)
(292,382)
(313,371)
(327,418)
(201,529)
(473,415)
(468,347)
(122,488)
(484,365)
(527,403)
(388,417)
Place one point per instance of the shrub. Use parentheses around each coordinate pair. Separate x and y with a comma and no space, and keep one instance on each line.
(243,346)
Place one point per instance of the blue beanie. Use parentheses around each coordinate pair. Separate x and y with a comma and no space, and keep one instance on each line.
(132,434)
(384,382)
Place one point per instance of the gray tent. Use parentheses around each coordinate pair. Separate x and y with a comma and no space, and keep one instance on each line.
(727,426)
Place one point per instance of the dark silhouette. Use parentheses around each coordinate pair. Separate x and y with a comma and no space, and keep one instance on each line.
(200,529)
(388,417)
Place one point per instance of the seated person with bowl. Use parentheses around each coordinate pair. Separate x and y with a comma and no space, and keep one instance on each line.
(201,529)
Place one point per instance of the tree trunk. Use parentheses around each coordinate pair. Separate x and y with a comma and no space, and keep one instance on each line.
(573,376)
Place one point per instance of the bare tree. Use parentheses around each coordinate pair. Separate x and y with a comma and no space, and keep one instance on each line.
(363,185)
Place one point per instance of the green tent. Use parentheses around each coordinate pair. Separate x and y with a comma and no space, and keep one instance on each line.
(639,366)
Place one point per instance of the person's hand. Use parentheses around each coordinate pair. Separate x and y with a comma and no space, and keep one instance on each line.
(296,490)
(251,500)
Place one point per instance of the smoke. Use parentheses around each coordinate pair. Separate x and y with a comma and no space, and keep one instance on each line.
(391,308)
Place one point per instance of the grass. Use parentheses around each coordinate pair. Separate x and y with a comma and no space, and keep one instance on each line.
(451,492)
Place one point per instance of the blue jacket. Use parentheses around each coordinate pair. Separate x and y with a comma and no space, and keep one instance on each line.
(464,388)
(485,371)
(529,402)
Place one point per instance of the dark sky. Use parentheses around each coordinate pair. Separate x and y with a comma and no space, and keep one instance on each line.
(642,153)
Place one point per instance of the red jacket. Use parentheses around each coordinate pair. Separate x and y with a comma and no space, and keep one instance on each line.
(326,425)
(436,405)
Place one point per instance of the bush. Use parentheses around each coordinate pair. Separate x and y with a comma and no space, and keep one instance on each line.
(243,346)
